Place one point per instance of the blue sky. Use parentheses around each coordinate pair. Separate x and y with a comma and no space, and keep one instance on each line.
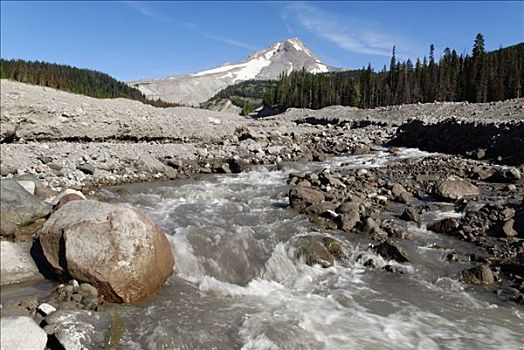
(139,39)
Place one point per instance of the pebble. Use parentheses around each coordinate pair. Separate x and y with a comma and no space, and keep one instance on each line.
(45,309)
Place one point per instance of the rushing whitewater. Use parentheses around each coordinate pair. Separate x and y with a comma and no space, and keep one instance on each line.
(239,285)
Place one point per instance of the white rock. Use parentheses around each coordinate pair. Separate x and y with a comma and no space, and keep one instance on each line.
(21,333)
(56,200)
(46,309)
(17,265)
(215,121)
(29,186)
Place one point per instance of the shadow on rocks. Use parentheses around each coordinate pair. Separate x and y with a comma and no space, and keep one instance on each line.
(43,265)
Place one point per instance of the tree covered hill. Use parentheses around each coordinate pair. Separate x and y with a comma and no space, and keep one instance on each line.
(247,95)
(76,80)
(479,77)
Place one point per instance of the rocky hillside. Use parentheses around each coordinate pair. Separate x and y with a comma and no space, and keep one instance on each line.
(34,113)
(285,56)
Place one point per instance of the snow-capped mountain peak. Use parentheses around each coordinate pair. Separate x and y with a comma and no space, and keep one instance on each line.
(282,57)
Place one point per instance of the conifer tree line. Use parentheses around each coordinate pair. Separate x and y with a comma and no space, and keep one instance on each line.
(477,77)
(76,80)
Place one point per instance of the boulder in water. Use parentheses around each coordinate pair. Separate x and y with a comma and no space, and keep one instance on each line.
(317,250)
(478,275)
(391,251)
(238,165)
(117,249)
(445,226)
(410,214)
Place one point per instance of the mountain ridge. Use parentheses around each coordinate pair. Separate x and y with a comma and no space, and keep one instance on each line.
(267,64)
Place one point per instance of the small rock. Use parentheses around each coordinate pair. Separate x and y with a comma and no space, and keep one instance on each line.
(478,275)
(90,303)
(359,150)
(370,226)
(333,246)
(410,214)
(75,284)
(224,169)
(45,159)
(77,297)
(302,197)
(480,153)
(397,189)
(314,252)
(78,195)
(68,198)
(86,169)
(274,150)
(349,220)
(55,166)
(238,165)
(175,164)
(454,188)
(405,198)
(304,183)
(170,173)
(347,207)
(393,269)
(45,309)
(391,251)
(445,226)
(508,229)
(393,149)
(87,290)
(40,168)
(333,181)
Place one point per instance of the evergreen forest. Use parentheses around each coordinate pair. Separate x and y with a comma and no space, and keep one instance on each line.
(477,77)
(76,80)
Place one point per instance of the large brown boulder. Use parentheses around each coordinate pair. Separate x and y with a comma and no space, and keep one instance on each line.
(454,188)
(117,249)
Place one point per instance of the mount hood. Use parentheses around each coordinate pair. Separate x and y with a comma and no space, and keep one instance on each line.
(192,89)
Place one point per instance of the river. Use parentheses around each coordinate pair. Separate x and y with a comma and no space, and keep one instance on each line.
(239,285)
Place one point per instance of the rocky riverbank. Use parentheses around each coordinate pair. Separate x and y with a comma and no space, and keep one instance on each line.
(72,141)
(485,202)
